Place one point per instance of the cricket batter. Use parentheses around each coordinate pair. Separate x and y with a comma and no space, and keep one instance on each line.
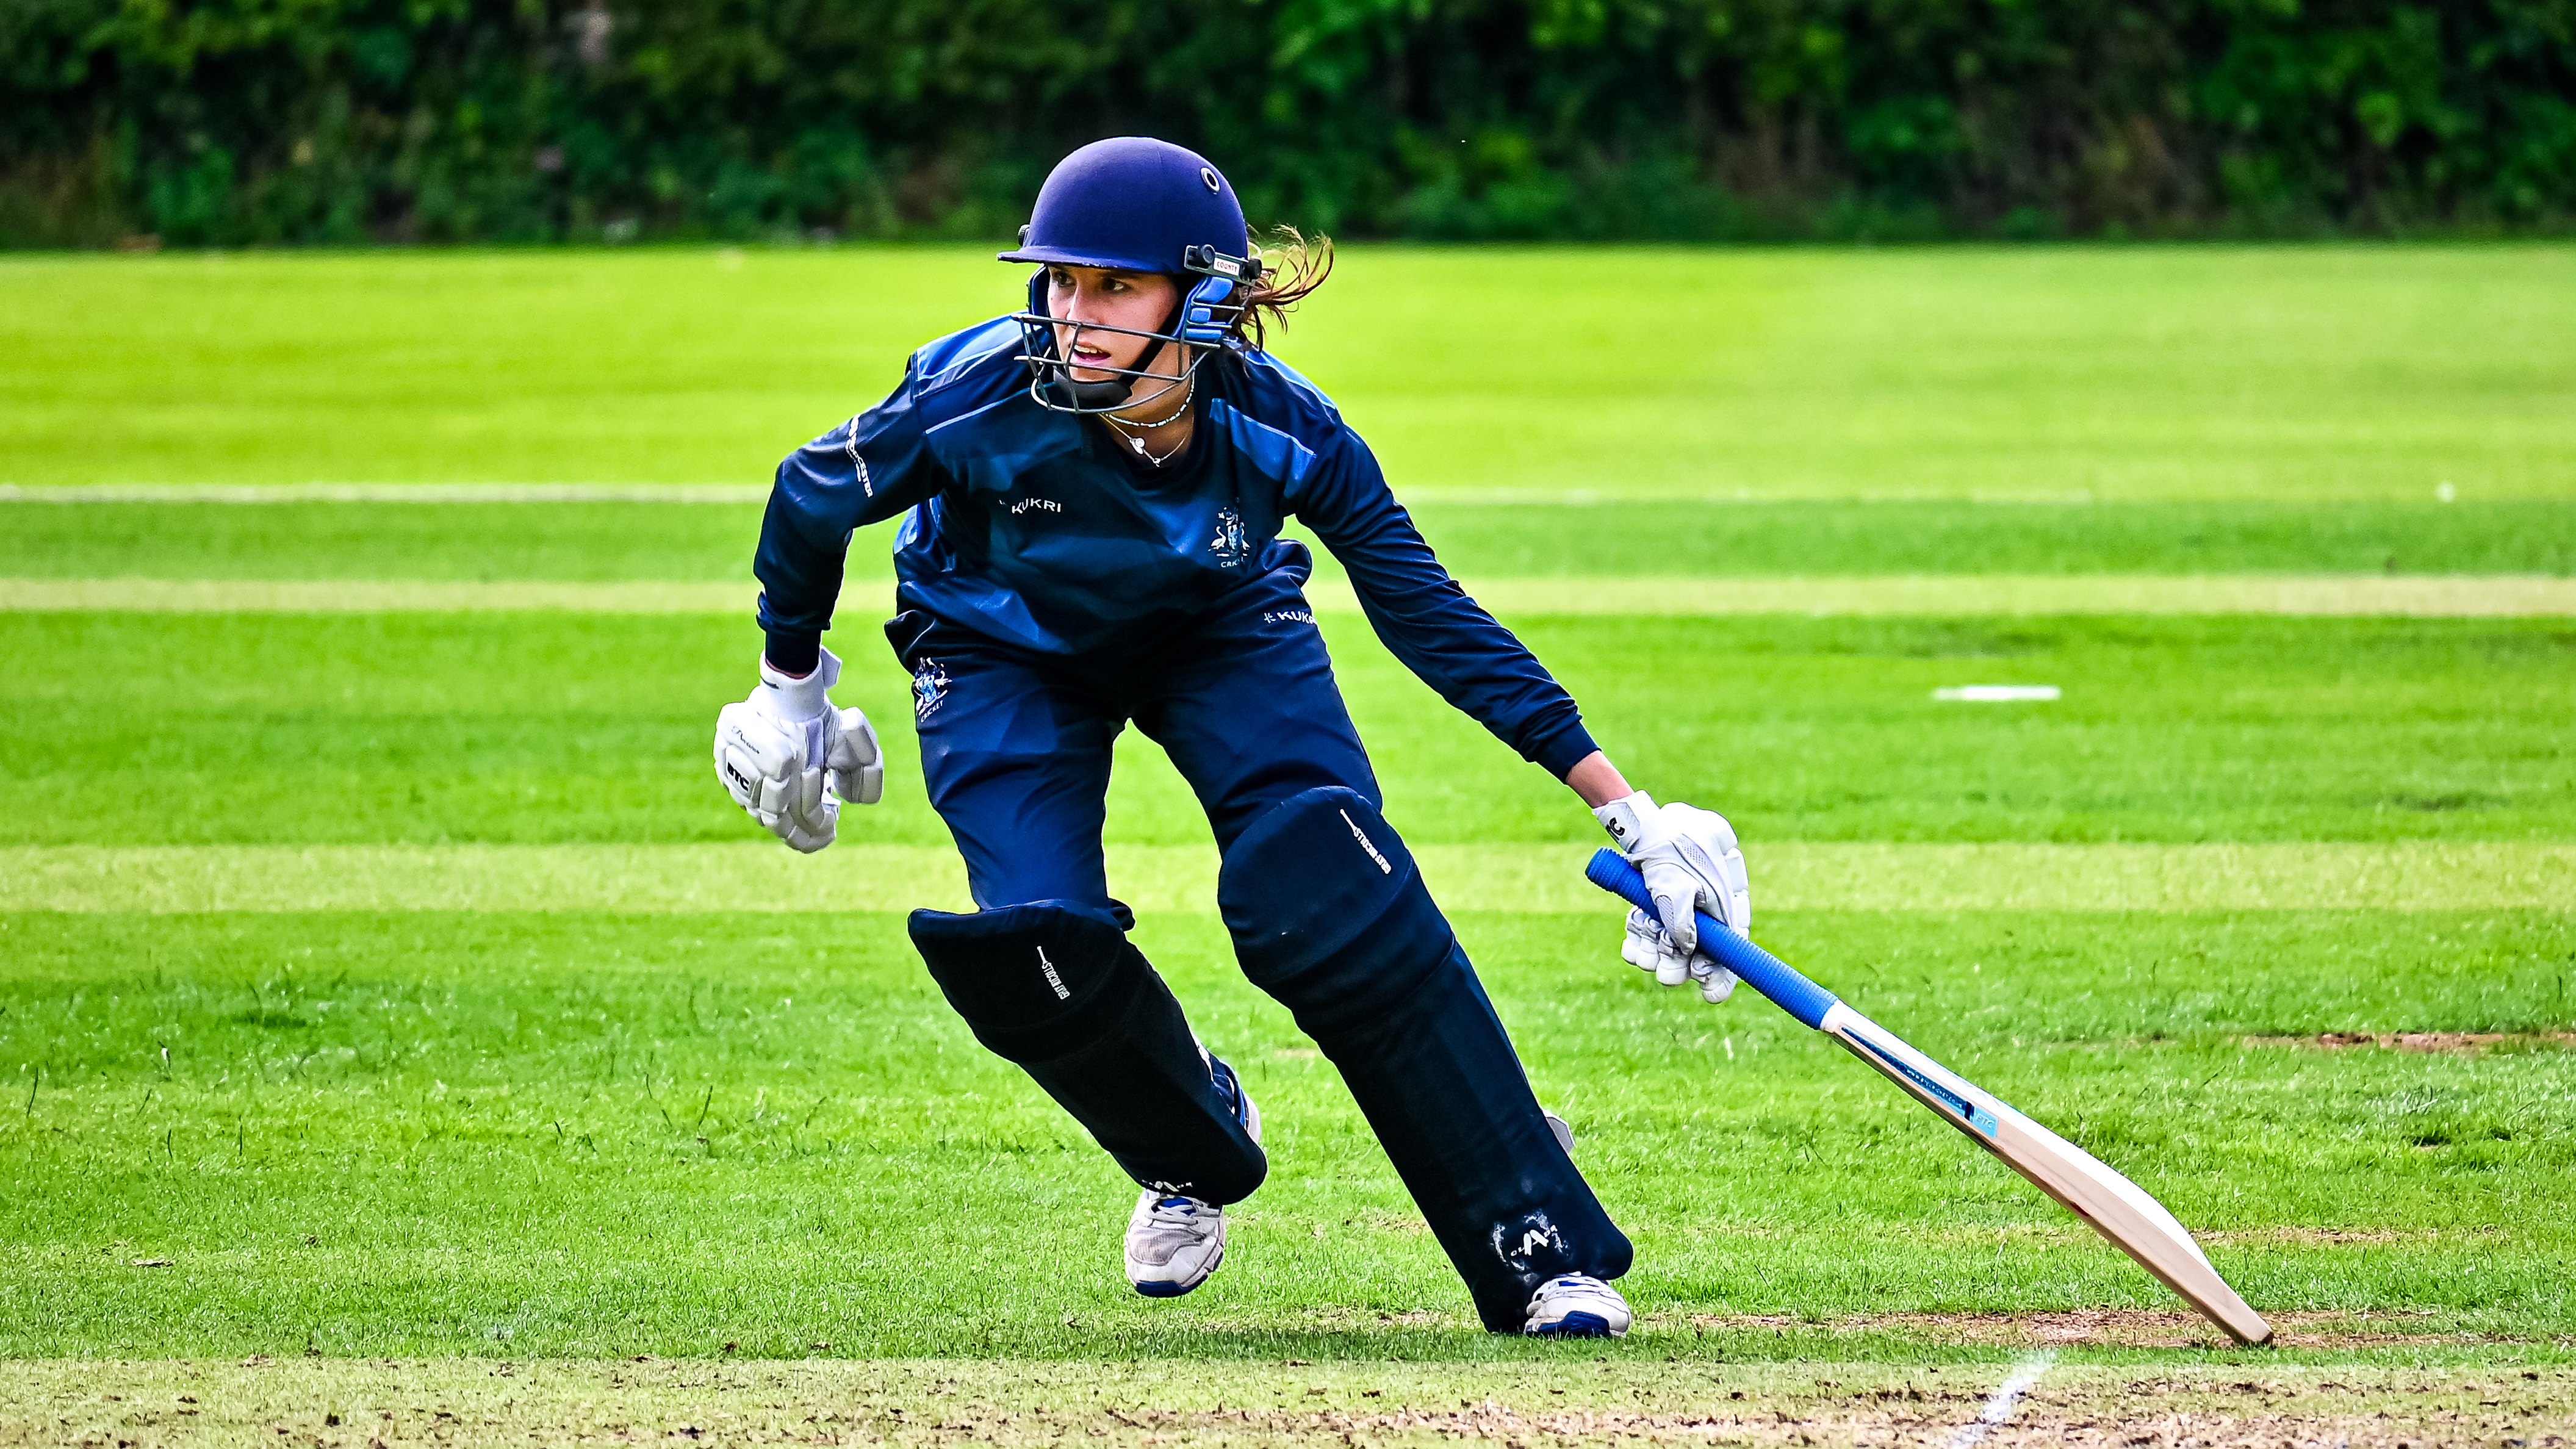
(1091,493)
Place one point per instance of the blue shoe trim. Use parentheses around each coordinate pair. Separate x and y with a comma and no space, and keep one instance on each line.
(1577,1324)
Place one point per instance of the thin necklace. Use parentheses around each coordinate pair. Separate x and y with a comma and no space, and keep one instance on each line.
(1120,425)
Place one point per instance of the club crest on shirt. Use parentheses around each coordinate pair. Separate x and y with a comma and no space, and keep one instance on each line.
(929,687)
(1232,546)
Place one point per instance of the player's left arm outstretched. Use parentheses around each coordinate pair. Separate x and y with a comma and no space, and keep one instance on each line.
(1688,856)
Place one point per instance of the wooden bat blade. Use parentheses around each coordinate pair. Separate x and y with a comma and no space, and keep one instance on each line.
(2117,1208)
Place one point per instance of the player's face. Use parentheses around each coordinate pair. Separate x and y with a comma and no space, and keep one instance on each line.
(1141,301)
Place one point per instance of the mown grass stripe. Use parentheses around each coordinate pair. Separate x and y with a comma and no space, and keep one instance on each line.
(2415,595)
(372,596)
(248,493)
(2403,595)
(1526,878)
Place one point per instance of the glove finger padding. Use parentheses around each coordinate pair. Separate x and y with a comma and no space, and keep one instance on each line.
(1716,983)
(1649,947)
(856,762)
(807,831)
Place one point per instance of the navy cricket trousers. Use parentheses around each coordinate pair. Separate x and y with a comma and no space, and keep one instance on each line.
(1016,753)
(1016,749)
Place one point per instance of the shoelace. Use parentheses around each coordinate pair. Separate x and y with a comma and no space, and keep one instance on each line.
(1177,1211)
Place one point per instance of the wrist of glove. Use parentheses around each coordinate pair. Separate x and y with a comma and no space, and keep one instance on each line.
(785,753)
(1692,864)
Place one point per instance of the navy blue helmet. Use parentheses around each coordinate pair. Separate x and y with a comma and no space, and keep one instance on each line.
(1139,204)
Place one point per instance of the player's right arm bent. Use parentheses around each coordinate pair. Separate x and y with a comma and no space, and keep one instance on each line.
(786,755)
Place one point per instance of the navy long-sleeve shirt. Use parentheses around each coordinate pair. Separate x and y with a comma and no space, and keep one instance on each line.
(1026,526)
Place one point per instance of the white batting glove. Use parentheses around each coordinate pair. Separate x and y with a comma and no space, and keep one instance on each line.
(1647,948)
(785,752)
(1691,862)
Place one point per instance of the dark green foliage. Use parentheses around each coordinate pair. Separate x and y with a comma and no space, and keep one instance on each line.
(248,121)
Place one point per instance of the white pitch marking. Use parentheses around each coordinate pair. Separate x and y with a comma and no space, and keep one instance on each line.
(2000,1407)
(1995,693)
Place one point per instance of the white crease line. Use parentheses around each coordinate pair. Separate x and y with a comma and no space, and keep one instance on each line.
(1996,693)
(2000,1407)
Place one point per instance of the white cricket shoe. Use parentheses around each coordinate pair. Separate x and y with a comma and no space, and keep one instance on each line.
(1575,1306)
(1175,1241)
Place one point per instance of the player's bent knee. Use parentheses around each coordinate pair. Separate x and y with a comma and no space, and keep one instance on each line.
(1035,981)
(1328,910)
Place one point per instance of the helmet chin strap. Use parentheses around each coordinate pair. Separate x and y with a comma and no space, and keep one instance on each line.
(1113,392)
(1196,320)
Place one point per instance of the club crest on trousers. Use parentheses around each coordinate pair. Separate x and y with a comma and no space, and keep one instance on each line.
(929,687)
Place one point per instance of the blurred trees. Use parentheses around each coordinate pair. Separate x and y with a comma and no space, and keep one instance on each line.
(252,121)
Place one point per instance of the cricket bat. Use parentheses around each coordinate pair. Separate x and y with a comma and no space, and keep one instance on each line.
(2117,1208)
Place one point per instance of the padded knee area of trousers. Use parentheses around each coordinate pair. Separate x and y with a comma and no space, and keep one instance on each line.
(1035,981)
(1328,910)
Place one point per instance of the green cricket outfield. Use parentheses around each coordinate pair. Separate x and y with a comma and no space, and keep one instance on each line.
(401,1036)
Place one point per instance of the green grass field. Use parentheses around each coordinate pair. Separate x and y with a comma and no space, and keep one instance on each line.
(2217,373)
(400,1034)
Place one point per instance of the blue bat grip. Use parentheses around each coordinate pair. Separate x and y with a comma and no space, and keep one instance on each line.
(1787,987)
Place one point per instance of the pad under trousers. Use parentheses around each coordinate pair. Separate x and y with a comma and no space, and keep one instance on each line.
(1016,753)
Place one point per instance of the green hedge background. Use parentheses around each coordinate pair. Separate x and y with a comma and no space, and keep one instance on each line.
(232,122)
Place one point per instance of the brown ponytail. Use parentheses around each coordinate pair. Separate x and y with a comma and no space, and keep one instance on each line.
(1296,268)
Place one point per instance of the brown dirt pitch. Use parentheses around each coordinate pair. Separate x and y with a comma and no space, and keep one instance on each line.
(1585,1399)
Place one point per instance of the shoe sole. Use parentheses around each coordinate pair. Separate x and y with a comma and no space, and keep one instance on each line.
(1160,1289)
(1576,1325)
